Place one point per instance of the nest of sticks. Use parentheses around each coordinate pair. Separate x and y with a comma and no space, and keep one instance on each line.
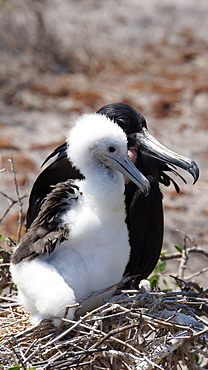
(136,329)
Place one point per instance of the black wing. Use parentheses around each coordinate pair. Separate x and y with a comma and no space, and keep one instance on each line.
(58,171)
(48,228)
(146,226)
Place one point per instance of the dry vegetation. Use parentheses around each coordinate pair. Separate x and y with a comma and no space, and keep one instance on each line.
(135,330)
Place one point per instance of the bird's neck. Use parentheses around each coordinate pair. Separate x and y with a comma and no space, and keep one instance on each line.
(104,190)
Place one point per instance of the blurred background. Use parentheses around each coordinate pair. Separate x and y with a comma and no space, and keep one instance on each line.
(60,58)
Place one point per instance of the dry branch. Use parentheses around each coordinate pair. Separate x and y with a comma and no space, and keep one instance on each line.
(19,200)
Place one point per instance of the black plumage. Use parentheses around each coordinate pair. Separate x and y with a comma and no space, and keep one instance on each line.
(144,214)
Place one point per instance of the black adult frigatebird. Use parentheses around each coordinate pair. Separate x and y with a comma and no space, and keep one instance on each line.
(79,241)
(144,214)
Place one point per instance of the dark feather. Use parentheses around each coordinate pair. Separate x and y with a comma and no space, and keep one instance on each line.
(47,229)
(58,171)
(145,223)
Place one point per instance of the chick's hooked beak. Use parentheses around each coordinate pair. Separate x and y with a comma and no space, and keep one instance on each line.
(124,165)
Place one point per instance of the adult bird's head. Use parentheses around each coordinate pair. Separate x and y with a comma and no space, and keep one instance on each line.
(152,158)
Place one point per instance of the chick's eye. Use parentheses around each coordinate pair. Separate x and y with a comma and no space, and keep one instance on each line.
(111,149)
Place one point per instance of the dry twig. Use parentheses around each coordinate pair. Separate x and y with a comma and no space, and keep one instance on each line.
(19,200)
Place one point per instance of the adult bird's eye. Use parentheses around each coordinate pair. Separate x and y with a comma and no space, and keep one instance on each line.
(111,149)
(121,123)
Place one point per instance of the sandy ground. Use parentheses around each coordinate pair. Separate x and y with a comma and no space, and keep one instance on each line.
(63,58)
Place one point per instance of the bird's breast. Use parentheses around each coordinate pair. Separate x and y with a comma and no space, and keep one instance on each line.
(96,252)
(89,226)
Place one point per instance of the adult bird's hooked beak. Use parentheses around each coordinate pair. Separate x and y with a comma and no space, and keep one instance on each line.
(153,148)
(124,165)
